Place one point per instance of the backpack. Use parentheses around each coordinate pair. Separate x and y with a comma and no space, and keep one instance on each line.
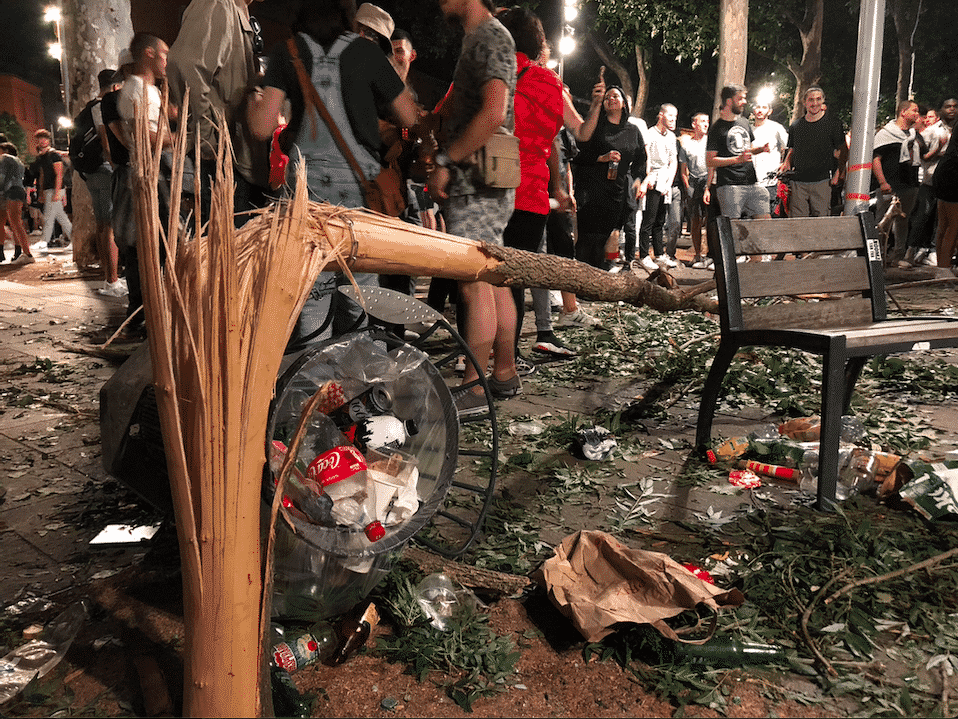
(86,151)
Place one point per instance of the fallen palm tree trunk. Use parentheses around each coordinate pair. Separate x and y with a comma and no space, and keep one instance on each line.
(219,314)
(371,242)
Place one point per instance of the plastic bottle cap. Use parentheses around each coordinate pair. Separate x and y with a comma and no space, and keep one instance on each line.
(375,531)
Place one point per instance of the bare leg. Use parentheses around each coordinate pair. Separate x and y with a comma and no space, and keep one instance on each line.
(107,249)
(490,322)
(947,236)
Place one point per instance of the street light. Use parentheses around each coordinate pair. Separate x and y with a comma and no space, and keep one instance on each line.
(52,14)
(570,11)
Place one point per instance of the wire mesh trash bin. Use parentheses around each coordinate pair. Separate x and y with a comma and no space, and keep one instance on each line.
(322,571)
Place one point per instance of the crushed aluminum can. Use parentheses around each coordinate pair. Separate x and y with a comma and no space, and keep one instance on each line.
(593,443)
(744,478)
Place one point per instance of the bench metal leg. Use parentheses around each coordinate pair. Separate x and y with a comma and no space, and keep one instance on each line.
(833,395)
(710,393)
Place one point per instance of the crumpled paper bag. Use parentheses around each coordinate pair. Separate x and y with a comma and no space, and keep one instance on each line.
(598,582)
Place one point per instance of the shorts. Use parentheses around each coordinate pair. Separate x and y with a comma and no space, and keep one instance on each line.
(16,193)
(738,200)
(482,216)
(99,184)
(696,202)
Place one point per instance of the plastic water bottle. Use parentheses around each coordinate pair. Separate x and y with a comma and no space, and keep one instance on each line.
(340,469)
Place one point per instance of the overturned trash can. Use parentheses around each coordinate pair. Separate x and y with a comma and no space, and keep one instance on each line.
(389,405)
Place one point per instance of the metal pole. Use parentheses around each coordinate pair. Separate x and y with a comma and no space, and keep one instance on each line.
(871,26)
(64,71)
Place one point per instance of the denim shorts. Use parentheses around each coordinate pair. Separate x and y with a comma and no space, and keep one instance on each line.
(738,200)
(99,184)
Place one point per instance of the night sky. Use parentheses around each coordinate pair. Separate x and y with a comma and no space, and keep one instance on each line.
(23,51)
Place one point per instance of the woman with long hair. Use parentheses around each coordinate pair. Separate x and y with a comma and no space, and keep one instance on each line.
(603,171)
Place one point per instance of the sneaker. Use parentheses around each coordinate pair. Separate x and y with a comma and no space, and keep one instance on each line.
(24,260)
(577,317)
(470,404)
(114,289)
(931,260)
(524,368)
(649,264)
(741,259)
(701,263)
(555,299)
(552,345)
(668,261)
(506,388)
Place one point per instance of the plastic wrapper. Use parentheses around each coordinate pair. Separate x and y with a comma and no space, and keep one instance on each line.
(440,599)
(593,443)
(37,657)
(322,571)
(933,489)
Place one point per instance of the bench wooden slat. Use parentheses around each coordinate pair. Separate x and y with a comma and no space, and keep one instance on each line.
(815,316)
(895,332)
(831,234)
(811,276)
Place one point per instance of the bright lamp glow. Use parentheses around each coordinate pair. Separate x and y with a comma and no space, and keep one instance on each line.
(51,14)
(765,96)
(65,122)
(552,63)
(571,12)
(567,45)
(55,50)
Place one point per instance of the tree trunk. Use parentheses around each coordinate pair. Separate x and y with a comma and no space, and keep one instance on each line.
(607,55)
(809,71)
(94,32)
(905,16)
(733,47)
(642,93)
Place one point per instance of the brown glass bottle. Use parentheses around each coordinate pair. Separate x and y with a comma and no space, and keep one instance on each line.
(353,634)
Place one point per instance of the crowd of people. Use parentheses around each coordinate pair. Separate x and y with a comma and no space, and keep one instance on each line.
(338,97)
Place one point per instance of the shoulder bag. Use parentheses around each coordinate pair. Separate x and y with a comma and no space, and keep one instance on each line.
(386,192)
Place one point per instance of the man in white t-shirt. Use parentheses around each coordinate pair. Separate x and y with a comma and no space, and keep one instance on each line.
(767,163)
(661,165)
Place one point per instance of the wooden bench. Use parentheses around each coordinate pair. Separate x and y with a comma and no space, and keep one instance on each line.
(845,321)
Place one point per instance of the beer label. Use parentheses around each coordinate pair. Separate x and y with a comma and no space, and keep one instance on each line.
(337,464)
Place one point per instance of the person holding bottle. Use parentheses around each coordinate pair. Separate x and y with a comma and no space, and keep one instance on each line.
(599,199)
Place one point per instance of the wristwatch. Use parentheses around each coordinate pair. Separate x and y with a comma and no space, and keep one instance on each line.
(442,159)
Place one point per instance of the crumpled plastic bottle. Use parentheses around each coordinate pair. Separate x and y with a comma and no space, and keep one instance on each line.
(38,656)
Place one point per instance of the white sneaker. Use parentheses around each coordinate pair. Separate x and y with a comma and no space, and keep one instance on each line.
(649,264)
(24,259)
(577,317)
(668,261)
(114,289)
(931,260)
(702,263)
(741,258)
(555,299)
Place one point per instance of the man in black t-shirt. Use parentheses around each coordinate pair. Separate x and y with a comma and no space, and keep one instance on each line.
(814,142)
(728,155)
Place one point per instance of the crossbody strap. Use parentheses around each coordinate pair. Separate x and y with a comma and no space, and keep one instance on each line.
(311,97)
